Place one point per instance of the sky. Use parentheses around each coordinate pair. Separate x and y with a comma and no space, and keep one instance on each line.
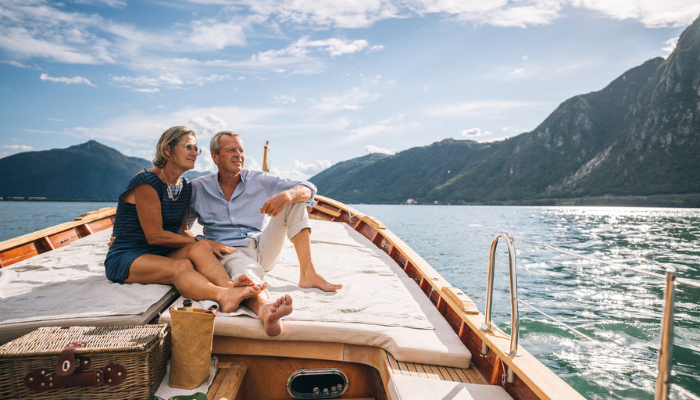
(323,80)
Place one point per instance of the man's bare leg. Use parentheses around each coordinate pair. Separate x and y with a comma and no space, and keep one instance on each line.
(270,312)
(309,278)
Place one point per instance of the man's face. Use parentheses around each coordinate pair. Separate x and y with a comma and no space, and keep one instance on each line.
(231,156)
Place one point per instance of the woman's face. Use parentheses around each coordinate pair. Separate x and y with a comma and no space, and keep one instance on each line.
(184,153)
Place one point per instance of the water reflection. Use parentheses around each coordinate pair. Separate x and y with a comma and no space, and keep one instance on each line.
(619,307)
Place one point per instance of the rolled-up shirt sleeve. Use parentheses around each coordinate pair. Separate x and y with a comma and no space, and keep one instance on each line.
(276,185)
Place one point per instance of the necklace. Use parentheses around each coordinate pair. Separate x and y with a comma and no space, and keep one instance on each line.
(170,193)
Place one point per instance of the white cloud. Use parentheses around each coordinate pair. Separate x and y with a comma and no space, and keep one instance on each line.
(18,147)
(312,168)
(482,108)
(15,63)
(517,72)
(670,46)
(372,149)
(67,81)
(473,132)
(284,99)
(54,119)
(209,34)
(110,3)
(651,13)
(301,170)
(350,100)
(143,90)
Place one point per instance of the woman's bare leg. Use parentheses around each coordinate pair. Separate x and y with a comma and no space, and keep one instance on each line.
(206,263)
(188,281)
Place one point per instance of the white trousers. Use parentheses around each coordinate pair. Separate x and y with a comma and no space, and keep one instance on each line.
(256,259)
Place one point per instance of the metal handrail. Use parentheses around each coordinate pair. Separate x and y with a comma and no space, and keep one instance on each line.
(663,379)
(488,326)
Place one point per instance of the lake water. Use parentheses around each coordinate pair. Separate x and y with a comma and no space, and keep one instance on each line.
(621,308)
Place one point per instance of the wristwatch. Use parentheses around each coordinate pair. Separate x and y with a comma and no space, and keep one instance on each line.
(199,237)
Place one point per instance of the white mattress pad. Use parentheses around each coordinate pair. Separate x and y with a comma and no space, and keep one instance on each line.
(378,306)
(68,287)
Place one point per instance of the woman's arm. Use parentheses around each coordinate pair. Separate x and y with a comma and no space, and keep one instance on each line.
(149,211)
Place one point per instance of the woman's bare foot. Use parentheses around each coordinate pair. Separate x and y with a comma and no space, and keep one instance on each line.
(272,312)
(231,298)
(314,280)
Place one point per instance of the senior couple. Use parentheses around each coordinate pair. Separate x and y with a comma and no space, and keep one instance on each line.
(153,244)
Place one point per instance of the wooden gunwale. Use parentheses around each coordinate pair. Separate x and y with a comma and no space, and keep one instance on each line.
(533,379)
(35,243)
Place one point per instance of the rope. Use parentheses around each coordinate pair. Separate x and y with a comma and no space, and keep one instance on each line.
(684,281)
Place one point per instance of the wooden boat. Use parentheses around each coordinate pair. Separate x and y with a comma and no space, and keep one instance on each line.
(255,368)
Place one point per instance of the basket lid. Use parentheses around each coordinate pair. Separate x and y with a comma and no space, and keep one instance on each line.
(52,340)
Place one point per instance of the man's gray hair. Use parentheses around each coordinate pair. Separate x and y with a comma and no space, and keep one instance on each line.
(215,144)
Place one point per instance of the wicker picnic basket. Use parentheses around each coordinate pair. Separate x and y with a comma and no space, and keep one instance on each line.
(85,362)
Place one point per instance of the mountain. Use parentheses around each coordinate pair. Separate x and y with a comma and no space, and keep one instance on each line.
(638,136)
(89,171)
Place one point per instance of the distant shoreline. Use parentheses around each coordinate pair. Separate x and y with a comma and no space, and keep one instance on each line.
(41,199)
(658,201)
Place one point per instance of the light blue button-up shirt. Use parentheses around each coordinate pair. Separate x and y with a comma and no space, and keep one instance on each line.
(233,222)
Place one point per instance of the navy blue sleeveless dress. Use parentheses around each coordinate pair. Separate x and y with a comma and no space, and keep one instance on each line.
(130,241)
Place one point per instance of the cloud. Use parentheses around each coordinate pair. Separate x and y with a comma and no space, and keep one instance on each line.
(284,99)
(651,13)
(325,13)
(210,34)
(110,3)
(372,149)
(67,81)
(18,147)
(350,100)
(312,168)
(670,46)
(55,119)
(473,132)
(301,170)
(517,72)
(143,90)
(15,63)
(482,108)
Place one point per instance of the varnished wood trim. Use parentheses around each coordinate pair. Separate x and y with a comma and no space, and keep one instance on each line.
(83,219)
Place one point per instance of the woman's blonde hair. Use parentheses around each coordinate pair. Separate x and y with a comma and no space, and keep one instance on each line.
(169,138)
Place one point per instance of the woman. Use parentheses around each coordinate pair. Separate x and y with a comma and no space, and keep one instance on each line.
(152,242)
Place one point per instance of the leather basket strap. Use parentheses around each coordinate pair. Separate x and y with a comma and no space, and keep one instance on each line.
(66,361)
(41,379)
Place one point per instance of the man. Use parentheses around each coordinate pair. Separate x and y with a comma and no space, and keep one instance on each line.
(232,206)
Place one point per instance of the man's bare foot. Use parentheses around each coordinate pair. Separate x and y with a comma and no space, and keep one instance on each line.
(315,280)
(272,312)
(232,298)
(242,280)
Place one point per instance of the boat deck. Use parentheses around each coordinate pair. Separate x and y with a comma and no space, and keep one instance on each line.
(437,372)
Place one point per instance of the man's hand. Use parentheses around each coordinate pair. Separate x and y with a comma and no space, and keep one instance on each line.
(276,204)
(220,249)
(111,240)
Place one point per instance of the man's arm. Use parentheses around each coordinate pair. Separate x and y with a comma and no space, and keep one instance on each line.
(276,204)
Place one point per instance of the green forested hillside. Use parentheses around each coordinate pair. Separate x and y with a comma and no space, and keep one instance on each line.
(639,136)
(89,171)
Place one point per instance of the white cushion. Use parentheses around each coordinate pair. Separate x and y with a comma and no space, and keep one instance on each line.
(402,387)
(395,332)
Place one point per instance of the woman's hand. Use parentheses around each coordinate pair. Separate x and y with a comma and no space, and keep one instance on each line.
(220,249)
